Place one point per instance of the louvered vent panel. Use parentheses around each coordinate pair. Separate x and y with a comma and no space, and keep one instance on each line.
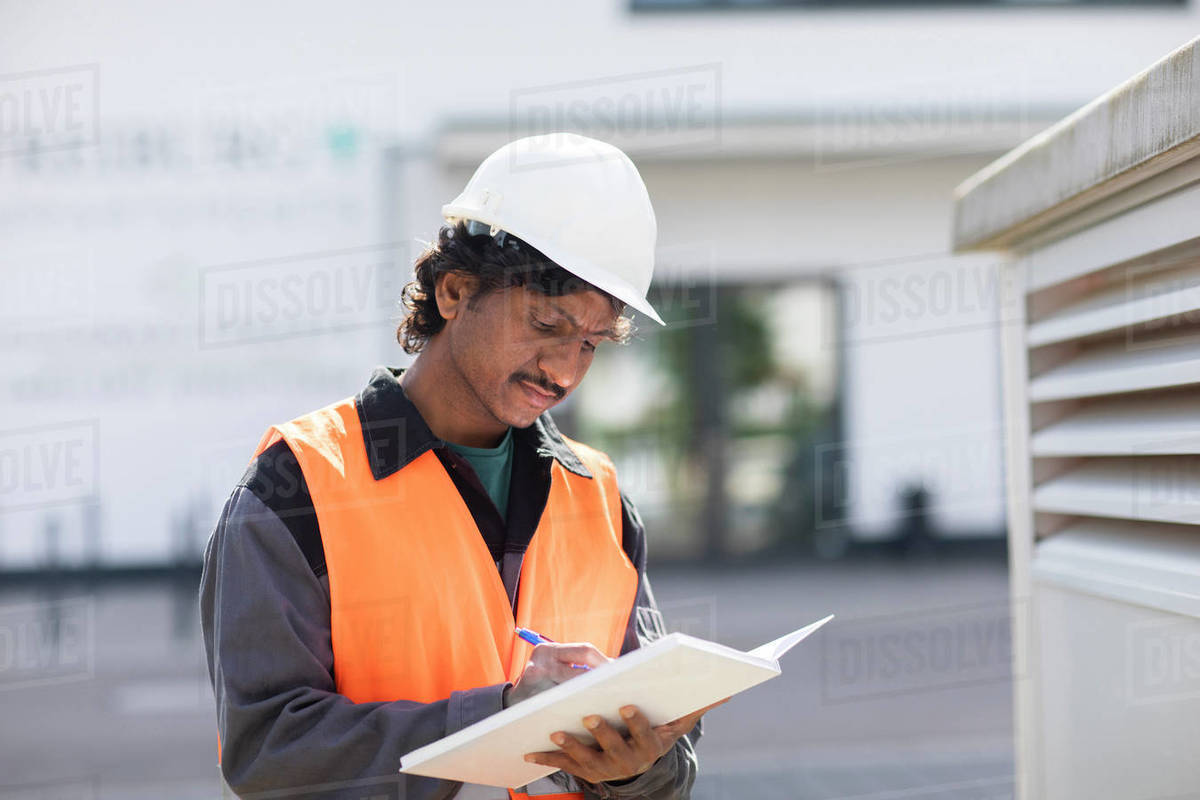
(1114,394)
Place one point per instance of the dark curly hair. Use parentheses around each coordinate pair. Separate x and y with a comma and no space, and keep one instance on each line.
(497,266)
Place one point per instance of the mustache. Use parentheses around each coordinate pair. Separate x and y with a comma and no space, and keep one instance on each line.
(545,386)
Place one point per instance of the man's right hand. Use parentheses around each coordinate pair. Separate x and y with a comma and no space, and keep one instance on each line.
(549,665)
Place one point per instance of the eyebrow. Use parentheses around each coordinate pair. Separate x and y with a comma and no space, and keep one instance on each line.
(608,333)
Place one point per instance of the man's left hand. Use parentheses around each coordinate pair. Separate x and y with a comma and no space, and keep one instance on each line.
(616,757)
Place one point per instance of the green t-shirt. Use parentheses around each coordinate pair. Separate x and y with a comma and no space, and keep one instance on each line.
(493,465)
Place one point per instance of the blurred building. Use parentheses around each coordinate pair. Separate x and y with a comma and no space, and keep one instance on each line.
(207,229)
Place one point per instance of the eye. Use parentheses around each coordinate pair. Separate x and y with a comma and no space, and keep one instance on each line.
(587,345)
(541,326)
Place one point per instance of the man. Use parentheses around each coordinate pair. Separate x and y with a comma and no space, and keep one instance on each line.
(362,587)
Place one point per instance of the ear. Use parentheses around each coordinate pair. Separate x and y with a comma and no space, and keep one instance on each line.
(452,292)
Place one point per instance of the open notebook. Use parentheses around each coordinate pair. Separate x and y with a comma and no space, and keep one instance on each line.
(667,679)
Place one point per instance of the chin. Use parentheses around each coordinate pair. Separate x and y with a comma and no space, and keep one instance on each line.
(520,413)
(517,417)
(525,419)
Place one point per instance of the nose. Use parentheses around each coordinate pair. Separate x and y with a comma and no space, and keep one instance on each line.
(561,362)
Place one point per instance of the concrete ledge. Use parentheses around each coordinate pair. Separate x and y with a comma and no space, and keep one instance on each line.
(1139,129)
(836,138)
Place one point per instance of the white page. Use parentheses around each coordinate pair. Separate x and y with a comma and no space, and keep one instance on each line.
(667,679)
(775,649)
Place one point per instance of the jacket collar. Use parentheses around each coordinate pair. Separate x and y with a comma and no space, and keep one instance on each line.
(394,433)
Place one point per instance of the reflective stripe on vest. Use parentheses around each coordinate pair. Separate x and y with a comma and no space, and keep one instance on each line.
(418,609)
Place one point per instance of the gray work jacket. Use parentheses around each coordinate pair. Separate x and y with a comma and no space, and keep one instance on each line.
(264,607)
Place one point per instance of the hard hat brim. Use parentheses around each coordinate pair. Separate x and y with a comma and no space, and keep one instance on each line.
(600,278)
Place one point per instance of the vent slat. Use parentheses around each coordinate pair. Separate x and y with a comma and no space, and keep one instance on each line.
(1155,488)
(1148,563)
(1117,308)
(1150,424)
(1118,367)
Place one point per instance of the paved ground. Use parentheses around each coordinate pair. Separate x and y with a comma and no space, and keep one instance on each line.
(905,695)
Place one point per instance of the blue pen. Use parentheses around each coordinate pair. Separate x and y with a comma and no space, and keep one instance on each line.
(533,637)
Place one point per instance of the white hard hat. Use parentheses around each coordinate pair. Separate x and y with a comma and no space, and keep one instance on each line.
(579,201)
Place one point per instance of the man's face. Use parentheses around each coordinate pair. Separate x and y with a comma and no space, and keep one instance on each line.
(522,352)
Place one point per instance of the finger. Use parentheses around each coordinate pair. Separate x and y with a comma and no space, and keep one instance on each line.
(670,733)
(646,741)
(557,759)
(581,653)
(584,756)
(546,662)
(562,671)
(549,653)
(609,739)
(673,730)
(686,722)
(560,663)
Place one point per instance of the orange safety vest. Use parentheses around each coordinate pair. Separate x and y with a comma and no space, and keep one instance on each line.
(417,607)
